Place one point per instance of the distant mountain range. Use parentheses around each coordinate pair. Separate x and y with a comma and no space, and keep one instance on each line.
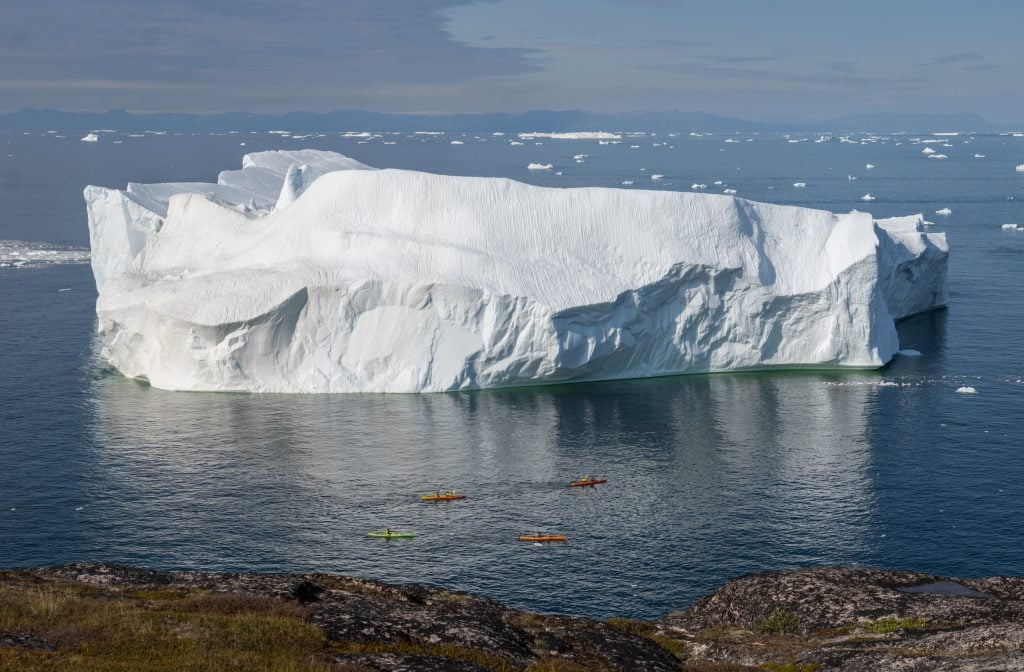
(538,120)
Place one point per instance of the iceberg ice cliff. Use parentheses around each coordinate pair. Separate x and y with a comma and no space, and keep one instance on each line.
(307,271)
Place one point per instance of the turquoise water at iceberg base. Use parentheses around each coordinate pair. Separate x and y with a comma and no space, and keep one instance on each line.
(709,476)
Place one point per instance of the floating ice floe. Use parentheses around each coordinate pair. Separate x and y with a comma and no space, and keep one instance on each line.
(966,389)
(979,156)
(627,182)
(1020,168)
(539,166)
(800,185)
(937,156)
(945,212)
(515,143)
(851,178)
(580,156)
(867,197)
(574,135)
(909,352)
(24,254)
(729,192)
(91,137)
(335,277)
(696,186)
(927,150)
(456,142)
(1013,227)
(657,177)
(869,166)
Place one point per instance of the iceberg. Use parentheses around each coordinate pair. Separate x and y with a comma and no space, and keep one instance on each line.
(307,271)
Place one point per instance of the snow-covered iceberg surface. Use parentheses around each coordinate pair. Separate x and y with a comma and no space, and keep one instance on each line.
(309,272)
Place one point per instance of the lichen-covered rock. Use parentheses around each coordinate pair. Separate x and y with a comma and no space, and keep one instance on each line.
(855,620)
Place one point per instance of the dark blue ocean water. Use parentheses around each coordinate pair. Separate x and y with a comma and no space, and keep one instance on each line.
(710,476)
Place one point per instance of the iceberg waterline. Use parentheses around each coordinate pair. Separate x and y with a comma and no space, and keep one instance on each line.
(307,271)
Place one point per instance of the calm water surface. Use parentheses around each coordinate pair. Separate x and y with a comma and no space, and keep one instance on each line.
(710,476)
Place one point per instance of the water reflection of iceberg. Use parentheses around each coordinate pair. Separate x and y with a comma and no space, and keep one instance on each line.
(711,476)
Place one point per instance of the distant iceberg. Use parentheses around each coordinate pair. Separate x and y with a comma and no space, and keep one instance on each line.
(574,135)
(308,271)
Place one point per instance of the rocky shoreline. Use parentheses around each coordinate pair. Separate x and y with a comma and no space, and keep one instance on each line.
(88,616)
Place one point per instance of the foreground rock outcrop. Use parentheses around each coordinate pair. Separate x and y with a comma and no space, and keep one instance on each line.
(310,272)
(850,620)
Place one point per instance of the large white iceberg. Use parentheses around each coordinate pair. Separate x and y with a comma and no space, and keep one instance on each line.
(307,271)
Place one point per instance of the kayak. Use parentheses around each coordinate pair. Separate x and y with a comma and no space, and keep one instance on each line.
(391,535)
(441,498)
(584,482)
(542,537)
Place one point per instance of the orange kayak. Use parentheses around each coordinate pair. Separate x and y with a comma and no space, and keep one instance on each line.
(542,537)
(441,498)
(584,482)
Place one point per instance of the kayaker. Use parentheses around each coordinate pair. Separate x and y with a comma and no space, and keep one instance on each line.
(387,531)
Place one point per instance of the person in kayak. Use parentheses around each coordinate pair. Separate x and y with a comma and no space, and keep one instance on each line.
(387,531)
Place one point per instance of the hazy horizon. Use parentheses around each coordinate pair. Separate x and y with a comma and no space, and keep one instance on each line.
(787,61)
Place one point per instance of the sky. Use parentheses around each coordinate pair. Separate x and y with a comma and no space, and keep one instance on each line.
(763,60)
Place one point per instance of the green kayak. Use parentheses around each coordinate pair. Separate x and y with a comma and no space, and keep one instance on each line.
(391,535)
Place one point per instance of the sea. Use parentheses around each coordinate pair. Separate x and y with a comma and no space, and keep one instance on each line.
(709,476)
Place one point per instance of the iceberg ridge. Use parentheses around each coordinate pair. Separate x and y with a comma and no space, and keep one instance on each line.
(307,271)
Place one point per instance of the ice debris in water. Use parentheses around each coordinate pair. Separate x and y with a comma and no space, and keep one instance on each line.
(1020,168)
(574,135)
(945,212)
(966,389)
(909,352)
(869,166)
(1013,227)
(343,278)
(799,185)
(91,137)
(539,166)
(23,254)
(657,177)
(867,197)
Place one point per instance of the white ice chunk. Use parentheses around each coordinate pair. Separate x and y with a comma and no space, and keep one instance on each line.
(966,389)
(403,281)
(539,166)
(945,212)
(575,135)
(867,197)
